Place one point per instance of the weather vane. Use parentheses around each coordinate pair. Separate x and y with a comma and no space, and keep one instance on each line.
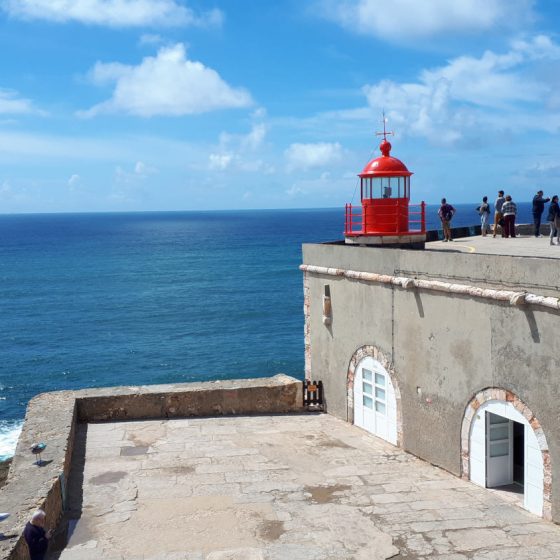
(384,133)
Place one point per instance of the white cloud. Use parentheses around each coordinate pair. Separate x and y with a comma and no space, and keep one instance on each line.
(143,170)
(220,162)
(237,150)
(167,84)
(403,20)
(116,13)
(542,170)
(150,39)
(140,171)
(305,156)
(495,90)
(245,142)
(74,180)
(12,104)
(294,191)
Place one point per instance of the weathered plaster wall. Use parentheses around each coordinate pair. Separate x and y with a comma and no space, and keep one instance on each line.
(449,346)
(52,417)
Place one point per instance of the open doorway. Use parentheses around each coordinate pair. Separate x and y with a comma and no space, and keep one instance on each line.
(505,454)
(519,454)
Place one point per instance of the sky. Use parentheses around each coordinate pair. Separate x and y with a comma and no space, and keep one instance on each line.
(140,105)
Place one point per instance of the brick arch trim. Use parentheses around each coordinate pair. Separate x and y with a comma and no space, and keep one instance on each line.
(376,354)
(498,394)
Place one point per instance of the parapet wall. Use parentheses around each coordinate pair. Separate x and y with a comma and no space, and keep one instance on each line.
(52,418)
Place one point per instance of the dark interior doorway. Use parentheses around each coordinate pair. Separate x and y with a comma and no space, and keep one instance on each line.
(518,453)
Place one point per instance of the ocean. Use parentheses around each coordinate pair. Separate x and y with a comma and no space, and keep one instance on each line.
(90,300)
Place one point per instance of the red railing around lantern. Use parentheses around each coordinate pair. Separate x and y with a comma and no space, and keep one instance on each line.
(388,219)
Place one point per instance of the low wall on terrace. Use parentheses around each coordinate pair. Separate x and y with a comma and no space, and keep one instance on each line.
(52,417)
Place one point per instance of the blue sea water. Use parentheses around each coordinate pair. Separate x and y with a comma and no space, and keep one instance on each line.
(123,299)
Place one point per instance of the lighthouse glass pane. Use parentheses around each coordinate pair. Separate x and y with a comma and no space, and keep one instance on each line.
(368,402)
(376,187)
(366,188)
(367,375)
(379,379)
(380,393)
(380,407)
(367,389)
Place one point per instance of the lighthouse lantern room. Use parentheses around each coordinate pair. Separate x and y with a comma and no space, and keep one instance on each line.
(386,216)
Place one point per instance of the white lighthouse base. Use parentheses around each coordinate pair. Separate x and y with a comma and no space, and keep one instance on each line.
(413,240)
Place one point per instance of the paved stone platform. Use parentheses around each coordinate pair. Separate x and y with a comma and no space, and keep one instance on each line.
(301,487)
(520,246)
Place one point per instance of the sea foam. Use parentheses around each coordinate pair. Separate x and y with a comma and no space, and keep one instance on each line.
(9,434)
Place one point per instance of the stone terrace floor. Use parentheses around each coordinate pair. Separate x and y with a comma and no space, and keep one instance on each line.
(301,487)
(520,246)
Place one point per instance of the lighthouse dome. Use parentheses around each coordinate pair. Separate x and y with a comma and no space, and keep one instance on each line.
(385,165)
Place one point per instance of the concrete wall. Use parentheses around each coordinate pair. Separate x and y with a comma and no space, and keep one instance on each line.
(52,417)
(450,346)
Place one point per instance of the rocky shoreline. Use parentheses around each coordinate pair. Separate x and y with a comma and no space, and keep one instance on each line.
(4,468)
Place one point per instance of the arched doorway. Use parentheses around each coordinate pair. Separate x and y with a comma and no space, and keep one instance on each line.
(504,446)
(373,396)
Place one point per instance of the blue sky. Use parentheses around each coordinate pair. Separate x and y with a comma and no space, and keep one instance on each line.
(118,105)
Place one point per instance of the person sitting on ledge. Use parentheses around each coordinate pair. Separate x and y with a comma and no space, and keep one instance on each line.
(36,537)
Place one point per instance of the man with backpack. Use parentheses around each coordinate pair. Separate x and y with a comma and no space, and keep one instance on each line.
(446,213)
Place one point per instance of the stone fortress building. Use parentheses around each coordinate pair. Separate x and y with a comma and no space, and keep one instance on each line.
(450,352)
(446,351)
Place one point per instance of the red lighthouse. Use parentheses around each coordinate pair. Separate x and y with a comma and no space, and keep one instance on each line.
(386,216)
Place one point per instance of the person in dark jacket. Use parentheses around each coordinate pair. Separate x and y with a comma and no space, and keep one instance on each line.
(538,209)
(36,537)
(553,219)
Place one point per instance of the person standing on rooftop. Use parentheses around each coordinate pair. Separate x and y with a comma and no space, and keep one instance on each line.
(484,211)
(446,213)
(554,220)
(509,210)
(498,212)
(538,209)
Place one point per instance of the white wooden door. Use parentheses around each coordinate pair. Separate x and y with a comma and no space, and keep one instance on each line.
(478,449)
(480,446)
(364,415)
(499,450)
(534,473)
(375,406)
(381,423)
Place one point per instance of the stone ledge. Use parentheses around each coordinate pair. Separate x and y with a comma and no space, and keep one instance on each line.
(52,418)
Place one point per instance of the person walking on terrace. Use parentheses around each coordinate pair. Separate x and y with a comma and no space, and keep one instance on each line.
(36,537)
(538,209)
(446,213)
(498,212)
(554,220)
(509,211)
(484,211)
